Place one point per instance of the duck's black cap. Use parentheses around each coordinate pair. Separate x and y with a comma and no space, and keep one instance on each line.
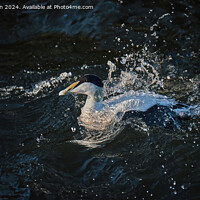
(91,78)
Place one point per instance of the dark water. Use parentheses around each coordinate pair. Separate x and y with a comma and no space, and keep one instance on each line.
(42,51)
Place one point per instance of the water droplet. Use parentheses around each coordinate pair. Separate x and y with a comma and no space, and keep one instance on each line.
(123,61)
(183,187)
(150,10)
(73,129)
(175,192)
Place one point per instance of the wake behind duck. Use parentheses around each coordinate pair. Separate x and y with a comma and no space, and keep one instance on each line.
(96,114)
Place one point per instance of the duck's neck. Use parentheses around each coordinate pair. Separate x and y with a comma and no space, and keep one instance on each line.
(94,101)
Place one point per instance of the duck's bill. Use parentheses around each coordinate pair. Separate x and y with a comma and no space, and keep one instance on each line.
(68,89)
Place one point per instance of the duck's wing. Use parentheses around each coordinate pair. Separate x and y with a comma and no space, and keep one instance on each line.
(137,101)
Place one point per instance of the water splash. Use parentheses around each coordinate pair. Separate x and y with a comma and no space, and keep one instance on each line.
(135,86)
(34,89)
(112,69)
(97,139)
(139,74)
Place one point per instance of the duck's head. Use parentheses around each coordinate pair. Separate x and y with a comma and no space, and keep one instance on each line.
(88,84)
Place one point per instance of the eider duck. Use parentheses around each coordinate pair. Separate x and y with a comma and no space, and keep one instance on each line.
(152,108)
